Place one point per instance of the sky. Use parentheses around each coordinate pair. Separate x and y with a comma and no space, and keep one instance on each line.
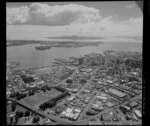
(38,21)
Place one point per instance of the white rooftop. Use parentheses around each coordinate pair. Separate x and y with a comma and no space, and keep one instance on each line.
(116,92)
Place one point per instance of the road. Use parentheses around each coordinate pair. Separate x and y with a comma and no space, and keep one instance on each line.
(115,107)
(41,113)
(57,119)
(79,121)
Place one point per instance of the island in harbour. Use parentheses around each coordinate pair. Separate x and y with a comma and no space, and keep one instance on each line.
(42,47)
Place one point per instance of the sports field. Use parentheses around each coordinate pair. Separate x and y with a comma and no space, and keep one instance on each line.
(38,98)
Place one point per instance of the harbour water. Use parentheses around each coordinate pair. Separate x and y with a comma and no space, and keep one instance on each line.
(29,57)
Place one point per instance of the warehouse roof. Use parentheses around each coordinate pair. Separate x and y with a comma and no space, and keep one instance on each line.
(116,92)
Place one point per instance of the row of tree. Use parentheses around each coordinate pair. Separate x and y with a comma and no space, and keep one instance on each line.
(19,95)
(18,115)
(60,89)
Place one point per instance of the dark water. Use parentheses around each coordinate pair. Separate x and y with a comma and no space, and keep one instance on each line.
(29,57)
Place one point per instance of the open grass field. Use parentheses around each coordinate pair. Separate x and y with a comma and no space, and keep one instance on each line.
(37,99)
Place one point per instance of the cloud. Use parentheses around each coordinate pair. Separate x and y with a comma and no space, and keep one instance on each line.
(109,27)
(42,21)
(130,6)
(44,14)
(17,15)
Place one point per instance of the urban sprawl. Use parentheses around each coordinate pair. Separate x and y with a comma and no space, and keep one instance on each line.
(92,89)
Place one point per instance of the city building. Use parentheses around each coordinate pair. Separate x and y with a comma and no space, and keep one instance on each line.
(117,92)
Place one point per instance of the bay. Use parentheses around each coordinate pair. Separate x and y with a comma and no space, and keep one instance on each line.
(29,57)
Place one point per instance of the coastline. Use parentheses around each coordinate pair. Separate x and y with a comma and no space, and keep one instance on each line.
(51,43)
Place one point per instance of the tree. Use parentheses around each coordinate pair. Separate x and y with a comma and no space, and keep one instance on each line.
(69,81)
(34,89)
(16,119)
(101,118)
(18,98)
(11,120)
(22,95)
(82,81)
(48,104)
(31,93)
(93,63)
(13,106)
(60,89)
(15,94)
(35,119)
(80,60)
(12,95)
(19,114)
(27,113)
(48,88)
(43,88)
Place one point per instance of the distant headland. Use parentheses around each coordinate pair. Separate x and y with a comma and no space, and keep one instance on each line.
(49,44)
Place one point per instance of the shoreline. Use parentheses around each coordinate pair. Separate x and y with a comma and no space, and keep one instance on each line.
(58,61)
(51,43)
